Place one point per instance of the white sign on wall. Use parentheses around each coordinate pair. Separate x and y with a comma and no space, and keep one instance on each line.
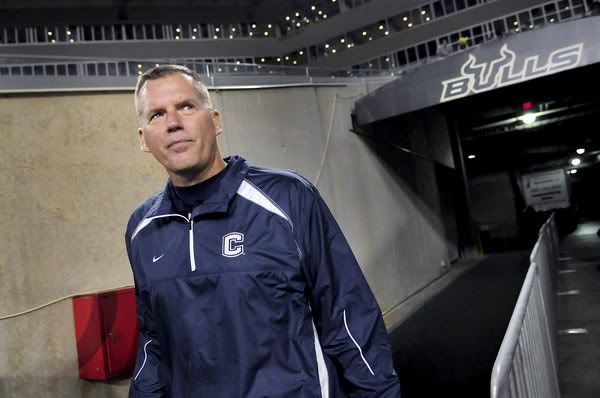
(546,190)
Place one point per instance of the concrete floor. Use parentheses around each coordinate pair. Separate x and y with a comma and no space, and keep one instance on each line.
(579,354)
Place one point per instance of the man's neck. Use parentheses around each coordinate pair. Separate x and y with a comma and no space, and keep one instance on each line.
(183,180)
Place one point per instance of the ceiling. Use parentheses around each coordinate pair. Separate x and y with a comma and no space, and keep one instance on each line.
(28,12)
(567,110)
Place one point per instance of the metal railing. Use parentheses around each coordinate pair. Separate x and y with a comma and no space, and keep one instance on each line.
(527,362)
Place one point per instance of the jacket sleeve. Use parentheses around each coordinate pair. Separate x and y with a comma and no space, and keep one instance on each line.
(346,314)
(146,381)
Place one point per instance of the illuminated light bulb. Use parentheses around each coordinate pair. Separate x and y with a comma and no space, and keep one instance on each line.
(313,8)
(71,40)
(295,62)
(297,14)
(193,37)
(387,32)
(237,62)
(215,37)
(324,15)
(231,36)
(298,24)
(427,19)
(53,41)
(320,12)
(287,57)
(574,171)
(139,66)
(262,60)
(551,20)
(250,33)
(217,30)
(380,27)
(370,38)
(575,161)
(253,26)
(342,40)
(156,65)
(471,156)
(364,33)
(266,33)
(220,70)
(278,59)
(195,30)
(326,45)
(580,151)
(49,33)
(423,12)
(178,30)
(528,118)
(301,52)
(68,33)
(515,23)
(410,25)
(176,37)
(233,29)
(405,19)
(269,26)
(287,18)
(139,72)
(333,51)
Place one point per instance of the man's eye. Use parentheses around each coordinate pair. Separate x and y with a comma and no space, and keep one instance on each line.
(155,115)
(188,107)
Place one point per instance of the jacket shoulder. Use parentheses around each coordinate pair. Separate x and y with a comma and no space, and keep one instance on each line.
(138,214)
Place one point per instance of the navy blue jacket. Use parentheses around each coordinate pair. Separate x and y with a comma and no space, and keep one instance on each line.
(254,293)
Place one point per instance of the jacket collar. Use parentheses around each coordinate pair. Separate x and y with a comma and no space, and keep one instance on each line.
(218,202)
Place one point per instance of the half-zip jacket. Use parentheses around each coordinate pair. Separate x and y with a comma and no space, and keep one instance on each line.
(253,293)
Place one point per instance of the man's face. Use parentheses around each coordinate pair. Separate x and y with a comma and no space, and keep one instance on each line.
(178,129)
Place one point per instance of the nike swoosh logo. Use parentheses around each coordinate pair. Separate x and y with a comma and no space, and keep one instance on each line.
(155,259)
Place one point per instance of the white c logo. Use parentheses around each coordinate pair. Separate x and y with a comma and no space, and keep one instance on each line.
(232,244)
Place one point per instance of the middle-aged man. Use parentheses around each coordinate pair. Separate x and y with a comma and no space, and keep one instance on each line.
(245,284)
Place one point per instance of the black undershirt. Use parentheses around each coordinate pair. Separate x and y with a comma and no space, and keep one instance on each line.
(186,198)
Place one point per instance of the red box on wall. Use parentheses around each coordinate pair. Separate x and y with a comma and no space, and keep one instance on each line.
(106,329)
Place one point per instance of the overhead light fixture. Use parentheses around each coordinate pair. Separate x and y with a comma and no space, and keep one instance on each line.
(333,51)
(574,171)
(326,45)
(427,19)
(278,59)
(380,27)
(364,33)
(313,8)
(471,156)
(410,25)
(301,52)
(253,26)
(405,19)
(342,40)
(528,118)
(217,29)
(423,12)
(580,151)
(297,14)
(575,161)
(269,26)
(287,18)
(387,33)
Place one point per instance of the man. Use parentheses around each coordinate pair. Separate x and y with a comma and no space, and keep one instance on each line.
(245,284)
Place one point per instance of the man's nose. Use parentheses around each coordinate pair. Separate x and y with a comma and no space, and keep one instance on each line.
(173,122)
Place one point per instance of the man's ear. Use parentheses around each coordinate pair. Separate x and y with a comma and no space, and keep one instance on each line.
(216,115)
(143,145)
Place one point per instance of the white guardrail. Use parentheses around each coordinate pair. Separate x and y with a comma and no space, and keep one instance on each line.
(527,362)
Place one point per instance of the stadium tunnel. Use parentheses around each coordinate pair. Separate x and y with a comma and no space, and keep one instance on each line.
(509,135)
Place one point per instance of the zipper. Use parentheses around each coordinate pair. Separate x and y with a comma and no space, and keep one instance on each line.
(192,256)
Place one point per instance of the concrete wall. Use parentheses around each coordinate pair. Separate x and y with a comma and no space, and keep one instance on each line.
(71,172)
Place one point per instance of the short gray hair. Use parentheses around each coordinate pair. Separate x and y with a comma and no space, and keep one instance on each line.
(161,71)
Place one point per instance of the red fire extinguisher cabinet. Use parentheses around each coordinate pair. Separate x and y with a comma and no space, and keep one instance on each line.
(106,329)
